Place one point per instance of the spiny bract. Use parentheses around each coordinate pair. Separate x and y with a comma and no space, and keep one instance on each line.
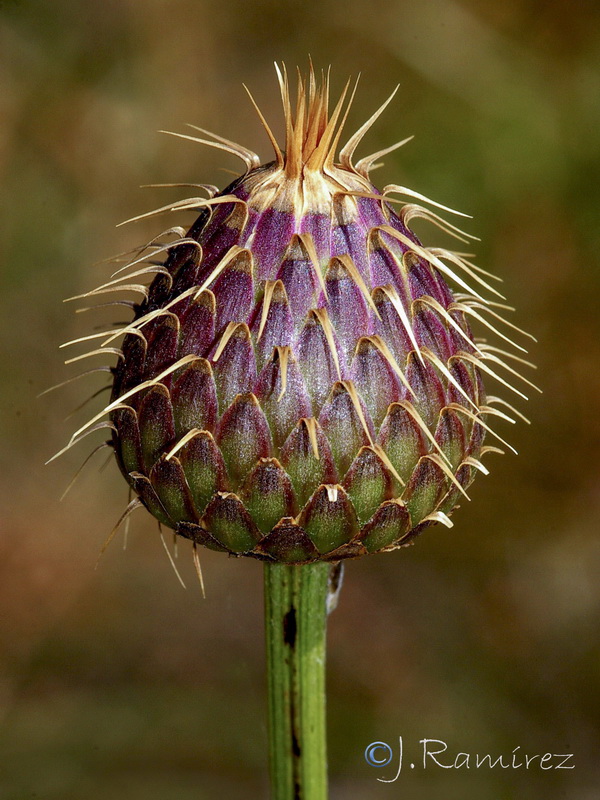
(299,381)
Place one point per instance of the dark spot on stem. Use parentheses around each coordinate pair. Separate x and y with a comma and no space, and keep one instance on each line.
(296,745)
(290,627)
(297,753)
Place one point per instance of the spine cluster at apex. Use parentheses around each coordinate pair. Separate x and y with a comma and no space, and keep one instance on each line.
(300,380)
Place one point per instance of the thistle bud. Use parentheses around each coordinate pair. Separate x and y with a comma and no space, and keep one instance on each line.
(300,381)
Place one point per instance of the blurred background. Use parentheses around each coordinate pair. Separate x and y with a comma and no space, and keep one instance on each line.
(116,682)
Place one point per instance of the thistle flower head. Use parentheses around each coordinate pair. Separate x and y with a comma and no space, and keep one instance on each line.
(300,380)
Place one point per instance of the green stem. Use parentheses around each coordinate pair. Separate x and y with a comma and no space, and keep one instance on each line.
(295,621)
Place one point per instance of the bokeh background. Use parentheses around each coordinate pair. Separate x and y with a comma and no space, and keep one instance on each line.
(116,682)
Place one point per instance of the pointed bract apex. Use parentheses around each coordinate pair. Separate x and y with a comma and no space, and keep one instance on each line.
(312,134)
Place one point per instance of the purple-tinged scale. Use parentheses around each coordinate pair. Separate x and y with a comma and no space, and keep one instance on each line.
(318,225)
(214,233)
(348,237)
(430,332)
(194,399)
(427,485)
(234,366)
(429,397)
(464,476)
(272,235)
(282,394)
(216,240)
(157,426)
(375,379)
(388,325)
(347,427)
(128,442)
(186,276)
(463,376)
(230,523)
(459,341)
(445,296)
(168,479)
(198,326)
(204,469)
(306,457)
(346,306)
(268,495)
(329,518)
(144,489)
(384,266)
(477,436)
(243,436)
(320,357)
(394,220)
(297,273)
(388,526)
(131,371)
(370,211)
(198,535)
(288,543)
(272,324)
(368,483)
(237,222)
(421,280)
(234,291)
(402,440)
(162,345)
(450,435)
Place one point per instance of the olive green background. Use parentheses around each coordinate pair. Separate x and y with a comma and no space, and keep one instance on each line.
(116,682)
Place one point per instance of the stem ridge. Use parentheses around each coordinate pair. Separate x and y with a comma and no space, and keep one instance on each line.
(295,622)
